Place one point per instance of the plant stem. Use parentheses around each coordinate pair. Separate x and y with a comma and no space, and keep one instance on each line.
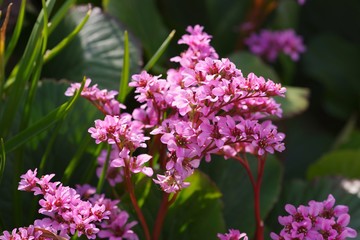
(256,185)
(138,211)
(165,204)
(259,232)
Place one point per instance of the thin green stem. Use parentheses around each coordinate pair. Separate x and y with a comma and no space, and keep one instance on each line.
(74,162)
(104,171)
(160,51)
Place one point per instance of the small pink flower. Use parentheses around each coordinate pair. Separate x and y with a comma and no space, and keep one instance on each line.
(232,235)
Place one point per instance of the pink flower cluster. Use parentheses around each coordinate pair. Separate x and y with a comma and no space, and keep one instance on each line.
(30,232)
(127,135)
(233,235)
(317,221)
(204,107)
(269,44)
(67,214)
(116,226)
(103,99)
(211,108)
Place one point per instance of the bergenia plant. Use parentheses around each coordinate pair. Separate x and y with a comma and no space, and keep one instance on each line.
(204,107)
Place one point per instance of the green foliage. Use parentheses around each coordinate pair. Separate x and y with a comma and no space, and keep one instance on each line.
(40,127)
(233,182)
(337,71)
(344,163)
(142,18)
(96,52)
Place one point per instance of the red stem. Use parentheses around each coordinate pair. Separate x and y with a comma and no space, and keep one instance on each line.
(165,203)
(138,211)
(259,232)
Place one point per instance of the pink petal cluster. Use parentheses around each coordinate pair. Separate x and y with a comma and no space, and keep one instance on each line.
(103,99)
(210,108)
(205,106)
(301,2)
(126,134)
(116,226)
(233,235)
(30,233)
(67,214)
(269,44)
(317,221)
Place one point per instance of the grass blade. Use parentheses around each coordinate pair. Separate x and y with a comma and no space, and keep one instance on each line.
(124,88)
(17,30)
(24,71)
(2,158)
(60,14)
(104,171)
(53,52)
(74,162)
(159,52)
(2,49)
(43,124)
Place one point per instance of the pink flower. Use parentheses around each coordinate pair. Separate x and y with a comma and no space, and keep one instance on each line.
(269,44)
(316,221)
(232,235)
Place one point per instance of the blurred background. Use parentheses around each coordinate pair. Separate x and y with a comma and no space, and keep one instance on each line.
(321,110)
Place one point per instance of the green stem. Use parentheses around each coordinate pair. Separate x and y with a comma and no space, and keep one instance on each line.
(104,171)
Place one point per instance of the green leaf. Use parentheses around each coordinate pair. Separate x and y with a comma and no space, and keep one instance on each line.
(299,192)
(96,52)
(336,72)
(23,72)
(198,203)
(2,158)
(248,63)
(142,18)
(72,150)
(41,125)
(295,102)
(344,163)
(352,141)
(233,182)
(185,217)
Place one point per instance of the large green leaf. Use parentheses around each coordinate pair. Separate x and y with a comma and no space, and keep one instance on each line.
(299,192)
(97,52)
(195,205)
(344,163)
(333,62)
(142,18)
(234,183)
